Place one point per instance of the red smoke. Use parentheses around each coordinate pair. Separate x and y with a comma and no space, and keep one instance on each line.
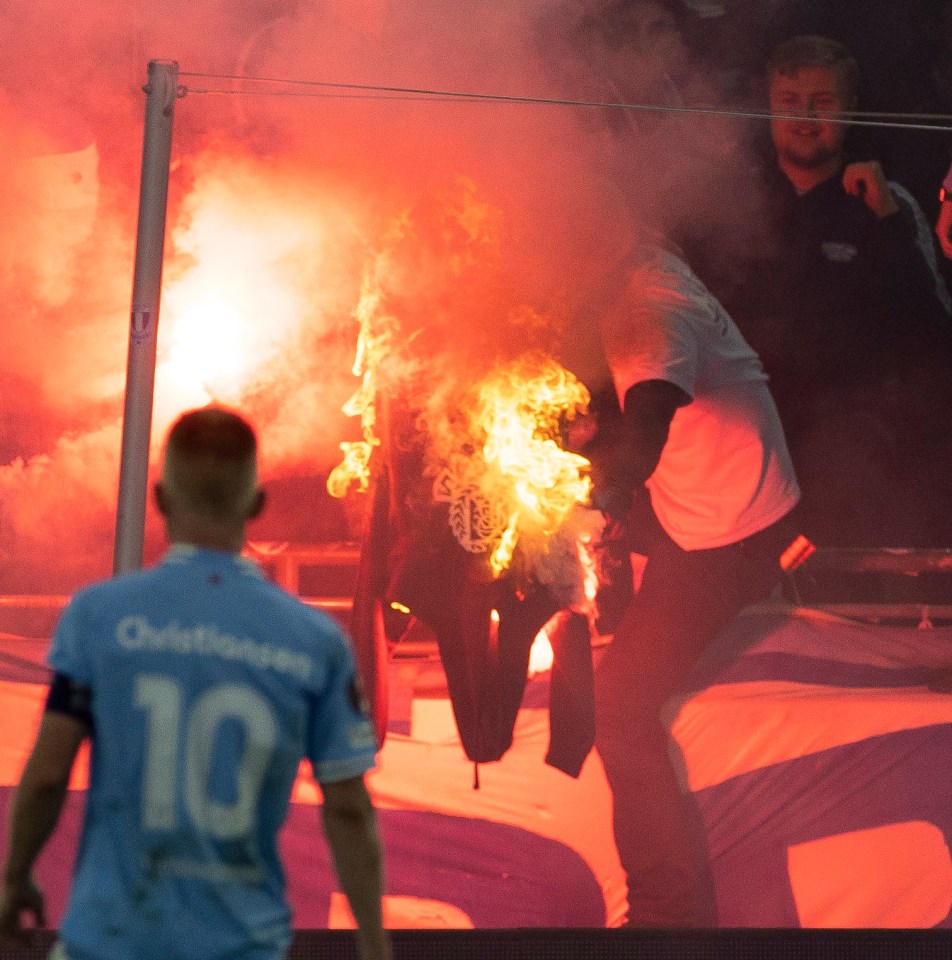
(279,207)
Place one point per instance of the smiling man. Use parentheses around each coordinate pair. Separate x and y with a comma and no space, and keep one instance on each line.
(859,319)
(813,86)
(832,280)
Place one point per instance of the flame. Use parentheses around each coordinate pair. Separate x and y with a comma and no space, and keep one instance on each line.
(520,408)
(374,339)
(507,474)
(429,253)
(541,656)
(429,303)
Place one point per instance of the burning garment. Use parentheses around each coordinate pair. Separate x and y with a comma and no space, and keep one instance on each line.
(475,496)
(484,627)
(486,555)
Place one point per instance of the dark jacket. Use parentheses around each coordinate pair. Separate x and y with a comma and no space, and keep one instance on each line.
(852,324)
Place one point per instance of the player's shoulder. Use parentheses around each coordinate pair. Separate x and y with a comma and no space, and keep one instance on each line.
(106,592)
(289,611)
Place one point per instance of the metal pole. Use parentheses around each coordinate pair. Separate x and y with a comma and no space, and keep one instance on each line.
(162,90)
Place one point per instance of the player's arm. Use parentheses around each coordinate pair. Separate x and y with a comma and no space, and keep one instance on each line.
(39,799)
(350,823)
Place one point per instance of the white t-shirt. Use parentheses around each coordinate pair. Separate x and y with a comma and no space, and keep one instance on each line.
(725,471)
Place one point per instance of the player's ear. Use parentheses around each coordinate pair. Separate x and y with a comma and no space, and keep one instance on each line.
(161,501)
(257,504)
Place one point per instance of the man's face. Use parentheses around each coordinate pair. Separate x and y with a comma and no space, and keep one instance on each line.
(808,142)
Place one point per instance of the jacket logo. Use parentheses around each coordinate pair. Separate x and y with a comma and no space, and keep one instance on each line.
(839,252)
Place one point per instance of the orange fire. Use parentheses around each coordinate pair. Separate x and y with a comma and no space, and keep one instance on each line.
(493,441)
(429,253)
(520,409)
(373,342)
(507,477)
(541,655)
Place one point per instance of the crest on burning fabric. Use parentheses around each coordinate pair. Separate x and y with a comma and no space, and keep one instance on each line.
(476,520)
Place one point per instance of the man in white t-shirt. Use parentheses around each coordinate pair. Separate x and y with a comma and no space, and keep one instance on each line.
(699,430)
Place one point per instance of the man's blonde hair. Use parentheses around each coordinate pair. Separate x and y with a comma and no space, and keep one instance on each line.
(210,463)
(812,50)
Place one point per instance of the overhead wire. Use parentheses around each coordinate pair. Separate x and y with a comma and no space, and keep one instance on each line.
(934,122)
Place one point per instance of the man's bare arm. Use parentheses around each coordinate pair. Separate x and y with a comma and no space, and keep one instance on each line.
(36,808)
(350,822)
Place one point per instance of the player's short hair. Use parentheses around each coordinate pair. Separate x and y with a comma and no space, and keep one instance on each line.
(811,50)
(211,462)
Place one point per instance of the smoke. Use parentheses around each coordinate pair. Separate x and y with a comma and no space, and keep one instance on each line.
(55,512)
(483,226)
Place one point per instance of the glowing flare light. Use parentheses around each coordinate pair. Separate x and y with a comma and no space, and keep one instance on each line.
(219,342)
(244,287)
(209,345)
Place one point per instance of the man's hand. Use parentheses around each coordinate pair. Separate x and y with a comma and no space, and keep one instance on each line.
(868,182)
(17,899)
(579,432)
(943,228)
(36,808)
(613,500)
(613,567)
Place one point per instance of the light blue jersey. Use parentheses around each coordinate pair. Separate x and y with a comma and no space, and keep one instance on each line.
(209,686)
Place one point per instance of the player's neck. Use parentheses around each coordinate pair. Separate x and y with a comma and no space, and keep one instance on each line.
(208,534)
